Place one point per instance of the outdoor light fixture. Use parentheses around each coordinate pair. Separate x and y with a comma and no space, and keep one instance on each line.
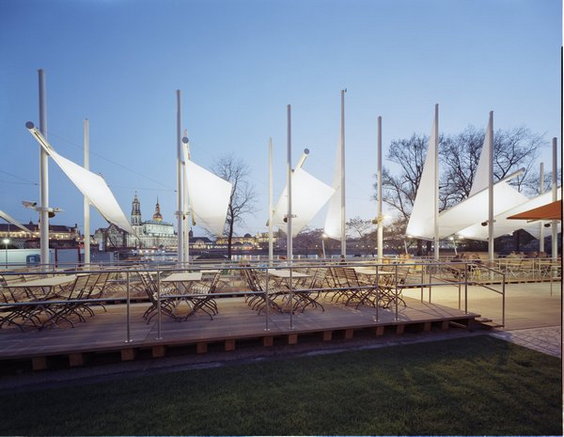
(33,205)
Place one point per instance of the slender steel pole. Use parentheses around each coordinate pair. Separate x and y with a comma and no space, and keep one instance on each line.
(270,202)
(186,212)
(159,315)
(554,224)
(43,177)
(541,191)
(342,147)
(86,142)
(490,135)
(128,309)
(267,308)
(290,240)
(436,205)
(179,187)
(380,219)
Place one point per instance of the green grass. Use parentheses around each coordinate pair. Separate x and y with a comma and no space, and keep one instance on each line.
(476,385)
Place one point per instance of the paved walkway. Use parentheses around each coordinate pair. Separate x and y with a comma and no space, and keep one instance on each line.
(533,316)
(545,340)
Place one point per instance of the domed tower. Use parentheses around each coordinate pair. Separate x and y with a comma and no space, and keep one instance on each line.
(157,217)
(135,212)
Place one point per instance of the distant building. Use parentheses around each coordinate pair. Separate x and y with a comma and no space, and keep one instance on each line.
(59,235)
(154,233)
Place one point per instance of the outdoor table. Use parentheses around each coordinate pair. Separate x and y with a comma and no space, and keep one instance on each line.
(183,282)
(389,295)
(283,278)
(37,290)
(47,285)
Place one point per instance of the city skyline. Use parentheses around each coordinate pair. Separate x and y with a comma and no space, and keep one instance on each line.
(238,64)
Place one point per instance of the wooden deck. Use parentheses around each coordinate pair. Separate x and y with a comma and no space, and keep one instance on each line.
(106,333)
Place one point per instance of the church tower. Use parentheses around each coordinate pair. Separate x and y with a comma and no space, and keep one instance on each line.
(135,212)
(157,217)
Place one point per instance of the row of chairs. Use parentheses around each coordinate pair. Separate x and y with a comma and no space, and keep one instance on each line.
(338,284)
(72,303)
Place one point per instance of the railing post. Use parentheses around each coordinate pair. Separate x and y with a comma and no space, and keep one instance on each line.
(503,300)
(291,297)
(430,281)
(396,292)
(128,297)
(377,294)
(267,314)
(158,304)
(465,288)
(422,281)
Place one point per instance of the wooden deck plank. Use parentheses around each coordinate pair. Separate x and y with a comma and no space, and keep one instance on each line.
(107,330)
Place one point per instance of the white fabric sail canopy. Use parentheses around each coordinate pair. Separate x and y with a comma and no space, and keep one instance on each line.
(333,223)
(474,209)
(422,219)
(503,226)
(90,184)
(13,221)
(208,196)
(309,195)
(480,181)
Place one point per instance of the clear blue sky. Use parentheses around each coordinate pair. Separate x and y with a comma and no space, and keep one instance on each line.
(239,63)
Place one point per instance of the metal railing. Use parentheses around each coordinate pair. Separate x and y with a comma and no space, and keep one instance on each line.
(125,280)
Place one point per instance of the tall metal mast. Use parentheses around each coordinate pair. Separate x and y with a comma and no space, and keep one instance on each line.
(86,143)
(43,177)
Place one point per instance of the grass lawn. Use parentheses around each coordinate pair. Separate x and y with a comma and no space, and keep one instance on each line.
(477,386)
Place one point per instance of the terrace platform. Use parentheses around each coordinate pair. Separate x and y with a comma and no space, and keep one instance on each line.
(105,334)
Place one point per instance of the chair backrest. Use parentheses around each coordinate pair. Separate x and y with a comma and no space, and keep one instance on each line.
(149,285)
(340,277)
(214,282)
(93,279)
(78,287)
(352,277)
(318,279)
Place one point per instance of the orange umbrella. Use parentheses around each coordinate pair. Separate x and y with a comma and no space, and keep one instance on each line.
(550,211)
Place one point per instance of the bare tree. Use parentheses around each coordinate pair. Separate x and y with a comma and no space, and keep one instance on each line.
(243,196)
(459,155)
(359,227)
(399,188)
(513,149)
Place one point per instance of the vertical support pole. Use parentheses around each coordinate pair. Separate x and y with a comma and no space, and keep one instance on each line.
(343,197)
(380,220)
(86,142)
(541,191)
(186,214)
(289,248)
(270,202)
(43,178)
(554,224)
(436,205)
(159,315)
(503,300)
(490,135)
(289,218)
(465,288)
(396,292)
(267,296)
(128,309)
(179,187)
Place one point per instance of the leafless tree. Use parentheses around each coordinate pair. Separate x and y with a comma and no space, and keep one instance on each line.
(359,227)
(513,149)
(459,155)
(243,196)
